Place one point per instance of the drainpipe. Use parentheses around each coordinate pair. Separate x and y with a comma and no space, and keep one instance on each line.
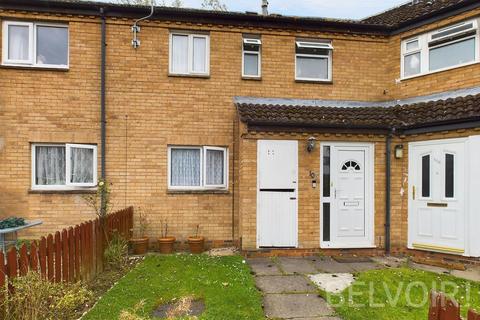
(103,121)
(388,189)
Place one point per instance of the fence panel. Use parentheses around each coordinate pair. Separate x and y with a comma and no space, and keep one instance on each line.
(445,308)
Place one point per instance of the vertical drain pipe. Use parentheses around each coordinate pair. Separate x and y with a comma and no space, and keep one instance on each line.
(103,120)
(388,155)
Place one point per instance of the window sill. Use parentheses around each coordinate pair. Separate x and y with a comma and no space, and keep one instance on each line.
(38,68)
(314,81)
(439,71)
(201,76)
(203,191)
(62,191)
(251,78)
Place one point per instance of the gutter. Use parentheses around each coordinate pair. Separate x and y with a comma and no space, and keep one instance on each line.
(103,118)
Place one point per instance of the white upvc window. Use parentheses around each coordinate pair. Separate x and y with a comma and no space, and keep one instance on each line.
(197,168)
(35,44)
(251,58)
(63,166)
(189,54)
(443,49)
(313,60)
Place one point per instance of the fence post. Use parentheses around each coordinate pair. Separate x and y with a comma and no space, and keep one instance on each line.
(58,258)
(33,257)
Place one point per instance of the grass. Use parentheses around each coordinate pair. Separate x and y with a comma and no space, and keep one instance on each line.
(401,294)
(223,283)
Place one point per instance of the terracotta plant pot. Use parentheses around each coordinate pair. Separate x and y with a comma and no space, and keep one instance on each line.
(196,244)
(165,245)
(139,245)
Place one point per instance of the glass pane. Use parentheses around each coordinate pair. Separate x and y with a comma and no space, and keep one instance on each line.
(326,222)
(412,45)
(82,163)
(251,64)
(215,167)
(312,68)
(452,54)
(449,176)
(326,171)
(185,167)
(179,54)
(52,45)
(49,165)
(412,64)
(18,42)
(199,54)
(426,176)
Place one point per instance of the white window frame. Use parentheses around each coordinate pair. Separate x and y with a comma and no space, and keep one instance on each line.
(258,53)
(190,59)
(318,45)
(203,168)
(68,184)
(424,49)
(32,53)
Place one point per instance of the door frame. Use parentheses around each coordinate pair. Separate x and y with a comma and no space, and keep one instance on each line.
(369,148)
(257,222)
(466,183)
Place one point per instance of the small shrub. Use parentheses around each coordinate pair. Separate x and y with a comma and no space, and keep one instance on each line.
(38,299)
(116,252)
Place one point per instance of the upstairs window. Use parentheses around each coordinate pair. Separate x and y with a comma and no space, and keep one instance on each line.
(189,54)
(441,49)
(251,57)
(35,44)
(313,60)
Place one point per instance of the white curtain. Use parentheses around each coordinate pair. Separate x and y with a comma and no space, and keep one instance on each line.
(50,165)
(199,54)
(18,42)
(215,173)
(179,54)
(81,165)
(312,68)
(185,167)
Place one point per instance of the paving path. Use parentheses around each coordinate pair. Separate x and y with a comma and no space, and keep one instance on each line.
(287,291)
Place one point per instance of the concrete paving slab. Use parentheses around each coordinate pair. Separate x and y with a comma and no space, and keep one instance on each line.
(332,282)
(264,267)
(472,274)
(364,266)
(285,284)
(390,262)
(434,269)
(328,265)
(286,306)
(296,265)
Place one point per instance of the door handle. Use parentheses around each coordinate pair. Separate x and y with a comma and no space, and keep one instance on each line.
(413,192)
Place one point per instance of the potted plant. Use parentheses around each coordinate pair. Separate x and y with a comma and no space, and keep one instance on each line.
(165,242)
(139,242)
(196,243)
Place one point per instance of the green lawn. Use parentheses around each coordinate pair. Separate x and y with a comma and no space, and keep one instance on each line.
(401,294)
(223,283)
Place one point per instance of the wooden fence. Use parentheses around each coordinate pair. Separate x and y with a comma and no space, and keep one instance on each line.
(445,308)
(69,255)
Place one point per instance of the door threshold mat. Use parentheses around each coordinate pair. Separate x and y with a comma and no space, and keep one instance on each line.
(352,259)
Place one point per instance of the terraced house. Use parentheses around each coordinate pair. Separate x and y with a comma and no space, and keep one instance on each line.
(282,135)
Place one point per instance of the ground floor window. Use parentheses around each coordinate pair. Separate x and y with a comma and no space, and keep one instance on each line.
(63,166)
(197,167)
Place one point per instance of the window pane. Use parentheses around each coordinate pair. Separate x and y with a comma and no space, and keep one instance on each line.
(18,42)
(185,167)
(326,171)
(52,45)
(452,54)
(312,68)
(449,175)
(215,167)
(251,64)
(179,54)
(326,222)
(199,54)
(412,45)
(426,176)
(412,64)
(82,163)
(49,165)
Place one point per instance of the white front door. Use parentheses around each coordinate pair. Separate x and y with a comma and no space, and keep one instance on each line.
(277,171)
(347,200)
(437,195)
